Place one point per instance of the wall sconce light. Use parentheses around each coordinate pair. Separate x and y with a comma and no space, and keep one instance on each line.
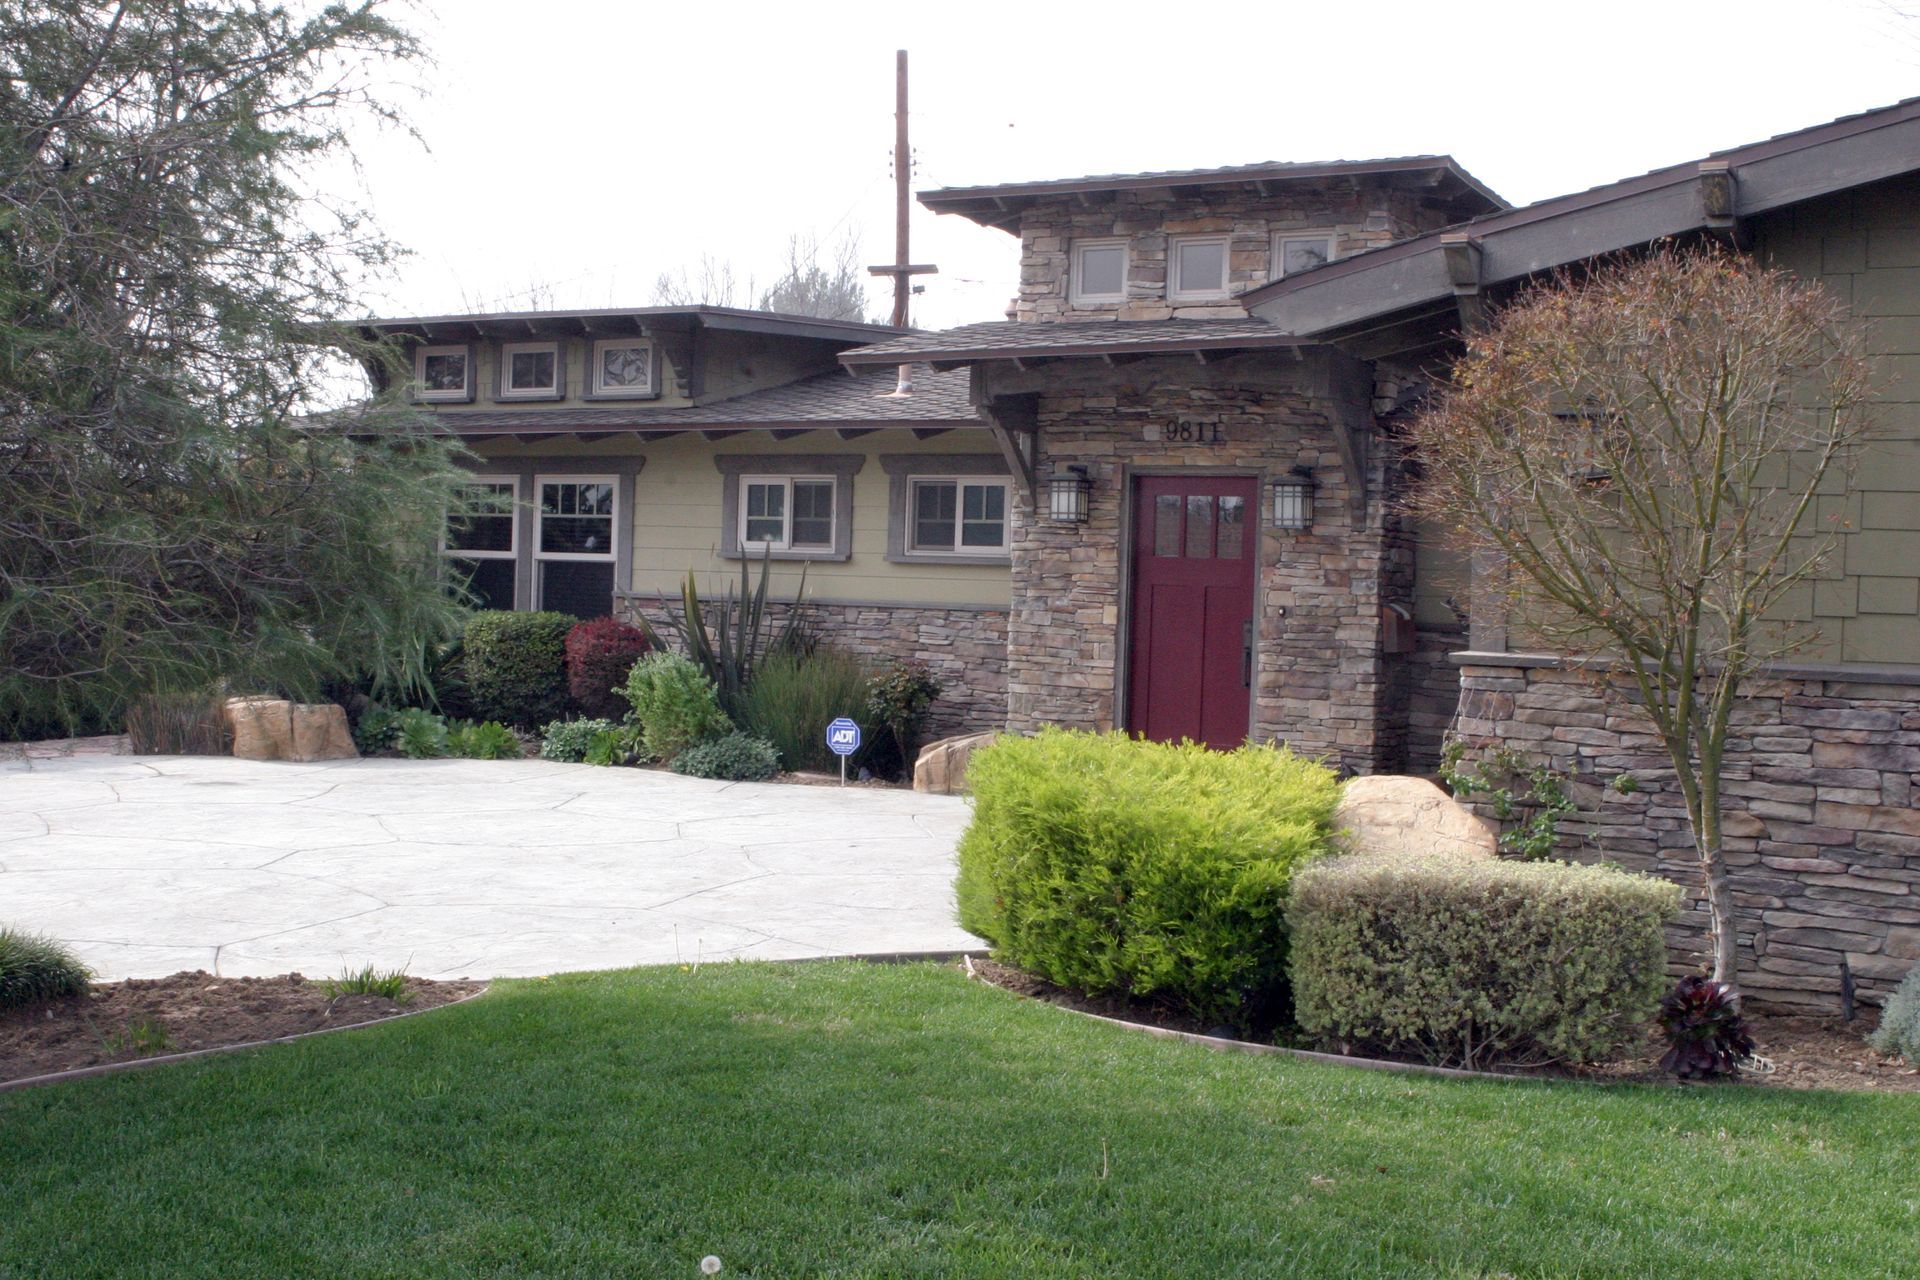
(1067,492)
(1293,500)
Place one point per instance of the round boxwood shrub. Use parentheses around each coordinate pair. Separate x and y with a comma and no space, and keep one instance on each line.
(515,666)
(736,757)
(600,655)
(1116,865)
(1470,962)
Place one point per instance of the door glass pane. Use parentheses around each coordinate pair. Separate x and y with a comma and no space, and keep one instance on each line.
(933,516)
(576,518)
(1199,526)
(1166,524)
(490,581)
(489,525)
(581,588)
(812,513)
(1233,526)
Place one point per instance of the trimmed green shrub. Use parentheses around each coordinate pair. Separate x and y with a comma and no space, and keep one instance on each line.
(736,757)
(793,697)
(1468,962)
(618,745)
(419,734)
(1117,865)
(35,968)
(567,740)
(600,656)
(489,741)
(515,666)
(1899,1030)
(674,703)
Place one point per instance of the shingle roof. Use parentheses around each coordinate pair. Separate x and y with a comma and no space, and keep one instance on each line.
(1006,340)
(825,400)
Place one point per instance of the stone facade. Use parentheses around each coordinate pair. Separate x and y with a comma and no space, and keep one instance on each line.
(1323,685)
(1823,843)
(1433,694)
(967,649)
(1358,218)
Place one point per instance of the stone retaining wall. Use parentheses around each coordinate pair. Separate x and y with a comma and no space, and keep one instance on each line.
(1824,849)
(967,649)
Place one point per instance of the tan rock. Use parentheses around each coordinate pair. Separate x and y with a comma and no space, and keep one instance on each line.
(320,733)
(941,768)
(261,728)
(1404,817)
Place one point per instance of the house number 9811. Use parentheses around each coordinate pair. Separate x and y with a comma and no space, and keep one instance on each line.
(1187,433)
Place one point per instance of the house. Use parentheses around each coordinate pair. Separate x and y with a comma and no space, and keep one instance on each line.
(633,446)
(1158,497)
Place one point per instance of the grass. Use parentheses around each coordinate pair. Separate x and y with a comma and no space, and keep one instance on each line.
(846,1120)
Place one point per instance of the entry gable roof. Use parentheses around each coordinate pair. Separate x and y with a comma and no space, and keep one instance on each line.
(1000,205)
(1713,192)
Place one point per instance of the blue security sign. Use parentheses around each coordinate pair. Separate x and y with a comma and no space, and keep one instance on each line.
(843,737)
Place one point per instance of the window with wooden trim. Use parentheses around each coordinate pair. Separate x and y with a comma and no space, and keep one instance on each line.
(1097,271)
(443,372)
(1197,268)
(787,513)
(529,370)
(957,515)
(481,539)
(622,367)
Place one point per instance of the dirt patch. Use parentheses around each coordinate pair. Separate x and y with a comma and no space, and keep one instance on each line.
(147,1017)
(1803,1052)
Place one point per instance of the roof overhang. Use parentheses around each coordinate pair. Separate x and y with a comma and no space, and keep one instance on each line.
(1429,272)
(1108,349)
(621,322)
(1439,176)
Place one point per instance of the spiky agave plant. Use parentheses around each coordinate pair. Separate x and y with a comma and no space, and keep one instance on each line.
(1707,1037)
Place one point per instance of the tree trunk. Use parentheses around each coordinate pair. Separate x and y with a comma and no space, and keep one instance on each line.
(1722,932)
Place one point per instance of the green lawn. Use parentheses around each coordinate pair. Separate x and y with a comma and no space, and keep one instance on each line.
(847,1120)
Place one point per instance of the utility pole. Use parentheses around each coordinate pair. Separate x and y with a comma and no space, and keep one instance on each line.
(902,268)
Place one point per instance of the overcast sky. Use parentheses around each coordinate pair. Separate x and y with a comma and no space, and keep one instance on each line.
(578,148)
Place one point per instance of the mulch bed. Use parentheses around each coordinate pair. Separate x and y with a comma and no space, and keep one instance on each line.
(1805,1051)
(147,1017)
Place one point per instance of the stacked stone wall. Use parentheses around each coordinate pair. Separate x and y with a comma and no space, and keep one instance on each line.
(967,649)
(1822,840)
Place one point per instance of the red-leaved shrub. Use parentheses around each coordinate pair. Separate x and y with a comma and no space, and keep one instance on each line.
(600,653)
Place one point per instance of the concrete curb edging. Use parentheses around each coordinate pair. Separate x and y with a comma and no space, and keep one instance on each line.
(108,1068)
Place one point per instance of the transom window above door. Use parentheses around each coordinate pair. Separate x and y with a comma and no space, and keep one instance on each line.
(576,517)
(1098,271)
(1197,268)
(787,513)
(958,516)
(529,370)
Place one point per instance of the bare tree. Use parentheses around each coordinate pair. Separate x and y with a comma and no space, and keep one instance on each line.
(1642,450)
(815,282)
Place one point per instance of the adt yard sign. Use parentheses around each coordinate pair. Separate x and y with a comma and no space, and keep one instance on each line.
(843,739)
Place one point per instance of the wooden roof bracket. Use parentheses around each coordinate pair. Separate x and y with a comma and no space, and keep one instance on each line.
(1720,203)
(1344,390)
(1014,421)
(1462,254)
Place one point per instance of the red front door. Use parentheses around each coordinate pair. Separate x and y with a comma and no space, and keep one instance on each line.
(1191,655)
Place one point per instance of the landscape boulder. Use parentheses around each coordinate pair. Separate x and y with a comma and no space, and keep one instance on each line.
(1408,817)
(941,768)
(263,728)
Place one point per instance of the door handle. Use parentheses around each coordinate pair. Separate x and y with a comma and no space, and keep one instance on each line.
(1246,654)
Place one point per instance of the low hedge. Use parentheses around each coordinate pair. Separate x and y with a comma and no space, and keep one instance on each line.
(1116,865)
(1472,962)
(515,666)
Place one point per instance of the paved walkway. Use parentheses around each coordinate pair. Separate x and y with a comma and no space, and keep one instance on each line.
(451,868)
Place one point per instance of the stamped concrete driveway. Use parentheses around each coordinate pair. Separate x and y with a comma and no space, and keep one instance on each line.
(150,865)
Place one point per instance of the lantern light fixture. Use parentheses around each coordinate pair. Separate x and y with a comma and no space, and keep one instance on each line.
(1067,492)
(1293,500)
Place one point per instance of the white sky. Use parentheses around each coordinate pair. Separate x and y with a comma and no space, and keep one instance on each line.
(581,147)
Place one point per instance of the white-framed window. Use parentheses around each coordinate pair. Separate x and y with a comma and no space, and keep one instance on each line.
(529,369)
(957,515)
(1097,271)
(1297,251)
(576,517)
(443,372)
(786,513)
(1197,268)
(622,367)
(481,539)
